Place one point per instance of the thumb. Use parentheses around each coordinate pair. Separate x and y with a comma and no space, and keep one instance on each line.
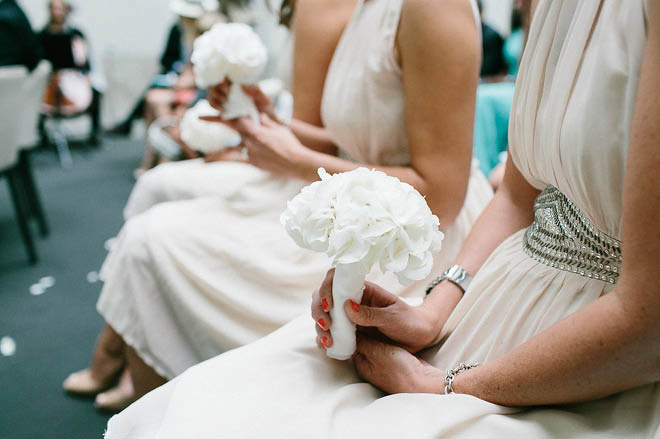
(367,316)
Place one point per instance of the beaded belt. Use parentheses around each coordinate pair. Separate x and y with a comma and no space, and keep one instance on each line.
(563,237)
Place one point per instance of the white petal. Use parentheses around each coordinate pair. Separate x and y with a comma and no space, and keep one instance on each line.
(7,346)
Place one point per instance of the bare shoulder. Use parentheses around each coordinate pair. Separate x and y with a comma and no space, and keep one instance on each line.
(439,12)
(444,24)
(310,14)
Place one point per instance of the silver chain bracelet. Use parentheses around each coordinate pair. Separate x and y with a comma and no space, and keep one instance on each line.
(453,373)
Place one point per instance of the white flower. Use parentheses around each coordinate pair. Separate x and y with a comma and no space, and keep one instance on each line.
(366,217)
(206,137)
(230,50)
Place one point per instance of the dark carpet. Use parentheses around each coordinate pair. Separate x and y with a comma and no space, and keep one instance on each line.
(56,331)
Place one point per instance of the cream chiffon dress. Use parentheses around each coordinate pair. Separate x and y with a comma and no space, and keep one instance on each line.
(193,278)
(570,127)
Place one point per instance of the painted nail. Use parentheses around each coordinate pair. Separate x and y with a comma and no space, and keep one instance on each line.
(324,341)
(355,306)
(321,323)
(324,305)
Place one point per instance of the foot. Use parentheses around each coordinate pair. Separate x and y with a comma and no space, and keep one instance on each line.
(82,383)
(117,398)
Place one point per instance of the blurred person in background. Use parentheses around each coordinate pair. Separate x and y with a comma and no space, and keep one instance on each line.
(18,43)
(174,90)
(72,89)
(493,64)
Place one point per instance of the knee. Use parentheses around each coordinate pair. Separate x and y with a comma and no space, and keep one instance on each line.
(133,240)
(149,190)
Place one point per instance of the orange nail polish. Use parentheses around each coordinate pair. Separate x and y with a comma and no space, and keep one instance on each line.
(324,305)
(324,341)
(321,323)
(355,306)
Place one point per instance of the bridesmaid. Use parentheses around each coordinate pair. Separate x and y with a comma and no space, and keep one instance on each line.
(319,26)
(562,314)
(191,279)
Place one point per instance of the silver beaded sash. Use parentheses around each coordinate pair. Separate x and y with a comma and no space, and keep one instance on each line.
(563,237)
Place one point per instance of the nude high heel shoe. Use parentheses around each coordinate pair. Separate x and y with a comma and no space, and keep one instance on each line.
(82,383)
(117,398)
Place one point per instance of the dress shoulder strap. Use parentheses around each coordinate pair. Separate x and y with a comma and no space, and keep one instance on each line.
(391,20)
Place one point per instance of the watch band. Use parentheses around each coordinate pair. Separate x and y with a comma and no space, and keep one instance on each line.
(456,275)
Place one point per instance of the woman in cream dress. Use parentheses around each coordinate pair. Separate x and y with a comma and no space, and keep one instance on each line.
(556,314)
(190,279)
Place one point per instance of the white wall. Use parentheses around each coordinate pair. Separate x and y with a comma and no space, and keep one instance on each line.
(497,13)
(136,27)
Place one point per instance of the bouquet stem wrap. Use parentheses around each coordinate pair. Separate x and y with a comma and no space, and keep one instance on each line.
(348,283)
(239,104)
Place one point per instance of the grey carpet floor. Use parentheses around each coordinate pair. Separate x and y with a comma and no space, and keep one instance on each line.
(56,331)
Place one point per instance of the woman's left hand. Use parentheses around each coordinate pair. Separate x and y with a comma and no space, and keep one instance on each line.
(393,369)
(270,146)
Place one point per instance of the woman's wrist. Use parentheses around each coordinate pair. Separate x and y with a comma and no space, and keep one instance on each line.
(307,163)
(438,306)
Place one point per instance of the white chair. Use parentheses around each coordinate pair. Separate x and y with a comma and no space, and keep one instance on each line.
(29,137)
(12,80)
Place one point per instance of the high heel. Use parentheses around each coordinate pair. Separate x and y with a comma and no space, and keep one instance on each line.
(117,398)
(82,383)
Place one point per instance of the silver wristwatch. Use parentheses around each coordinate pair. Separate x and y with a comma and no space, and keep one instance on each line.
(456,275)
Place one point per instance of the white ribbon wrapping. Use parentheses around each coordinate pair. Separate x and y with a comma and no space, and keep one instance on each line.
(348,283)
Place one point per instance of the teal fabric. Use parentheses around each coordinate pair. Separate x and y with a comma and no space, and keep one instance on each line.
(513,50)
(491,128)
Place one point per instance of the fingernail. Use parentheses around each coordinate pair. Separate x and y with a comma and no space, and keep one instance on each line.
(324,341)
(324,305)
(355,306)
(321,323)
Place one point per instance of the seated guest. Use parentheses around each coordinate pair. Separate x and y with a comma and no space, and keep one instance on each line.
(558,333)
(18,43)
(68,51)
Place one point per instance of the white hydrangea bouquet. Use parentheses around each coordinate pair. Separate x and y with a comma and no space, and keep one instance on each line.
(206,137)
(361,218)
(234,51)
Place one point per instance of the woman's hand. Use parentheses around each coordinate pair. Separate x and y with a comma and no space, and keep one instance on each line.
(218,95)
(231,154)
(395,370)
(270,146)
(380,314)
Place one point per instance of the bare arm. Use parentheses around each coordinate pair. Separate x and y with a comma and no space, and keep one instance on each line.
(440,141)
(317,26)
(509,211)
(613,344)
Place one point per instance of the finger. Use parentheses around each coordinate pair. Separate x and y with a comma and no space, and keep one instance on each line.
(375,295)
(247,126)
(231,123)
(324,336)
(253,90)
(325,291)
(368,316)
(225,85)
(267,121)
(322,318)
(322,342)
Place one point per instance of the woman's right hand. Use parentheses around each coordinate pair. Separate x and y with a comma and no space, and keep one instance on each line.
(380,313)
